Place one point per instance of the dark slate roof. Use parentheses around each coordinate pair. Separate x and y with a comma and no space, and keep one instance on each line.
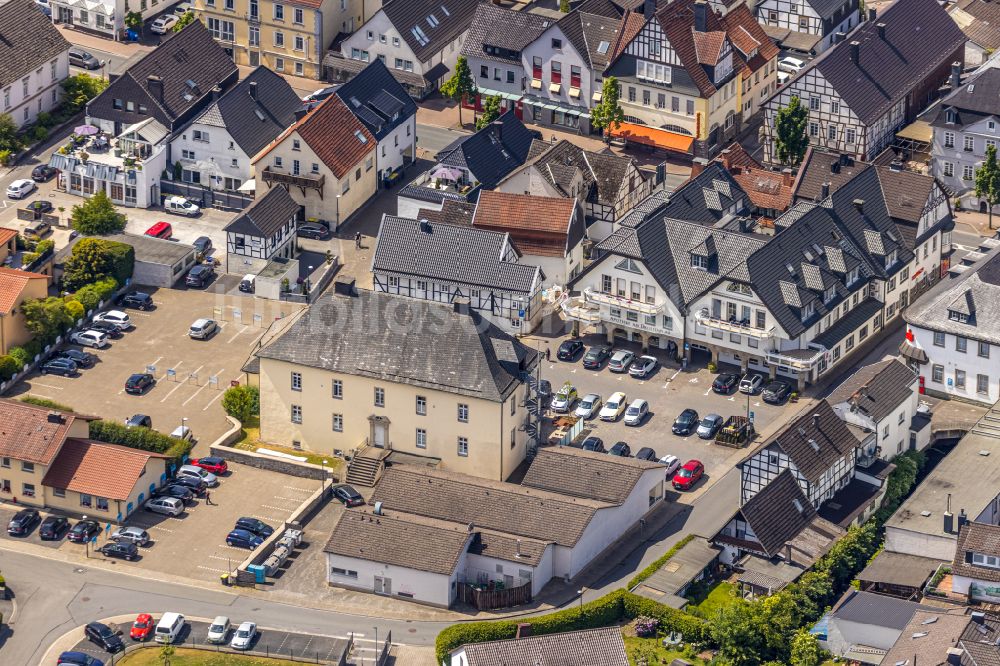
(984,27)
(266,215)
(825,8)
(28,40)
(586,31)
(977,538)
(451,253)
(254,122)
(778,513)
(824,166)
(877,610)
(452,212)
(705,197)
(509,31)
(919,36)
(407,341)
(971,102)
(645,209)
(876,389)
(591,647)
(452,16)
(586,474)
(906,193)
(492,152)
(558,163)
(377,99)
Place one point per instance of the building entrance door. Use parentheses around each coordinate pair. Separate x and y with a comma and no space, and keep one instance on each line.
(383,585)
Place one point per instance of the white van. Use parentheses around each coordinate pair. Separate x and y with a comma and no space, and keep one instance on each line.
(168,628)
(248,283)
(180,206)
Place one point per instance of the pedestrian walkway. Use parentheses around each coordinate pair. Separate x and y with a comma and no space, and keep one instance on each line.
(87,40)
(976,222)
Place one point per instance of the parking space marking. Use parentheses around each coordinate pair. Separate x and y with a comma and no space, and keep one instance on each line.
(218,394)
(288,499)
(301,490)
(56,388)
(276,508)
(180,384)
(200,388)
(220,557)
(237,334)
(212,569)
(179,364)
(271,518)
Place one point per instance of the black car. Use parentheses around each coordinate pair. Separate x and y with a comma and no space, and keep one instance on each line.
(139,300)
(42,173)
(596,356)
(103,635)
(181,492)
(686,422)
(203,244)
(348,495)
(52,528)
(197,486)
(646,453)
(41,206)
(83,531)
(621,449)
(58,366)
(726,383)
(199,275)
(138,383)
(258,527)
(81,358)
(108,328)
(595,444)
(22,522)
(314,231)
(569,349)
(776,392)
(139,421)
(125,550)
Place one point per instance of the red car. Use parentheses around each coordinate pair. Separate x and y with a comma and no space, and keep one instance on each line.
(688,475)
(212,464)
(142,627)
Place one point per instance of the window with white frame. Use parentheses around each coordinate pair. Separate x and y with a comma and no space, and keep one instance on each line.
(653,71)
(296,381)
(338,389)
(421,438)
(338,423)
(296,413)
(379,397)
(986,560)
(463,446)
(421,405)
(463,412)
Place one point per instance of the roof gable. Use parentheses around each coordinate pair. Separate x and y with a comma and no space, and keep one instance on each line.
(586,474)
(98,468)
(267,215)
(428,26)
(12,285)
(501,34)
(814,441)
(32,434)
(28,40)
(778,513)
(492,152)
(377,99)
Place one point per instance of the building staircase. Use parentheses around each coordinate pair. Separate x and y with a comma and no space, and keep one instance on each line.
(366,466)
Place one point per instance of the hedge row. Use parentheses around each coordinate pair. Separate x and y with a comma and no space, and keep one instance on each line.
(48,404)
(659,562)
(144,439)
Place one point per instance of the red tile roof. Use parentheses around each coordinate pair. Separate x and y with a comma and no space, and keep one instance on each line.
(6,234)
(632,23)
(708,46)
(12,284)
(538,225)
(747,34)
(766,189)
(96,468)
(32,434)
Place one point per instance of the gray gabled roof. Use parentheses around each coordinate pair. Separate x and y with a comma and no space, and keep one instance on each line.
(876,389)
(377,99)
(440,21)
(266,215)
(876,610)
(591,647)
(28,40)
(778,513)
(971,102)
(504,32)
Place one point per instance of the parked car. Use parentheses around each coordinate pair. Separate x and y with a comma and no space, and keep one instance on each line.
(43,173)
(180,491)
(595,444)
(58,366)
(563,401)
(81,358)
(52,528)
(163,24)
(790,65)
(44,7)
(73,658)
(751,383)
(218,631)
(138,383)
(249,283)
(776,392)
(620,449)
(243,539)
(348,495)
(168,506)
(122,550)
(783,78)
(254,526)
(142,627)
(83,531)
(180,206)
(37,230)
(685,423)
(116,317)
(588,406)
(244,635)
(89,338)
(131,534)
(104,636)
(671,463)
(596,356)
(688,475)
(20,188)
(80,58)
(161,230)
(139,421)
(709,426)
(139,300)
(196,472)
(202,244)
(314,231)
(213,464)
(726,383)
(199,275)
(569,350)
(643,366)
(321,94)
(614,407)
(203,329)
(108,328)
(646,453)
(620,361)
(636,412)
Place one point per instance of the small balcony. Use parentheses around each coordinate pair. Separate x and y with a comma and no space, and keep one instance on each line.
(590,295)
(797,359)
(311,181)
(730,325)
(579,310)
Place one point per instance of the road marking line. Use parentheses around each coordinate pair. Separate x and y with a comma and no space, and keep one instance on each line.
(301,490)
(57,388)
(180,384)
(220,557)
(237,334)
(212,569)
(218,394)
(157,527)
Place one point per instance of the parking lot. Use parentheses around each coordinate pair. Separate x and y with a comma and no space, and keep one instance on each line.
(191,375)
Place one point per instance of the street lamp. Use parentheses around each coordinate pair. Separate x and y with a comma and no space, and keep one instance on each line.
(86,542)
(377,653)
(580,592)
(336,223)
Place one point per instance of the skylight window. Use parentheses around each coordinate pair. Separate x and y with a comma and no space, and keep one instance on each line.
(603,47)
(191,84)
(444,10)
(260,116)
(421,36)
(361,137)
(432,21)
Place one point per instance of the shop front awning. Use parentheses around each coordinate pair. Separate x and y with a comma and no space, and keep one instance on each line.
(654,137)
(486,92)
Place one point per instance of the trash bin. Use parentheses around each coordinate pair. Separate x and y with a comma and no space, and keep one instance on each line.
(225,579)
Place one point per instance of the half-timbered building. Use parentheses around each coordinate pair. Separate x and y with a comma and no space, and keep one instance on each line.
(808,26)
(265,230)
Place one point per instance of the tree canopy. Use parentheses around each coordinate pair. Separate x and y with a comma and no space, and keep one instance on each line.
(461,86)
(491,111)
(988,181)
(790,138)
(607,114)
(97,216)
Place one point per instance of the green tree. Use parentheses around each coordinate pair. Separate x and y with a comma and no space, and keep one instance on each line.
(461,86)
(790,138)
(184,20)
(133,20)
(988,181)
(166,652)
(74,310)
(564,6)
(491,111)
(607,114)
(94,259)
(736,630)
(241,402)
(46,318)
(96,216)
(805,649)
(8,367)
(9,139)
(80,89)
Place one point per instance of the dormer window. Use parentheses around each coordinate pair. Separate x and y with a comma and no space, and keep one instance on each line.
(700,262)
(986,560)
(951,117)
(852,277)
(960,317)
(829,294)
(891,259)
(808,311)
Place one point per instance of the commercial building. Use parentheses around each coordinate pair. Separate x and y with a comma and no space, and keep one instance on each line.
(158,262)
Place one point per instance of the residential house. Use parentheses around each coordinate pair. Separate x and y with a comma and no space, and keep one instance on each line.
(289,37)
(953,637)
(324,391)
(34,60)
(326,161)
(769,193)
(809,26)
(548,231)
(860,91)
(419,40)
(216,148)
(567,63)
(975,570)
(8,245)
(980,21)
(862,627)
(497,36)
(262,232)
(589,647)
(384,107)
(445,263)
(467,166)
(571,506)
(16,287)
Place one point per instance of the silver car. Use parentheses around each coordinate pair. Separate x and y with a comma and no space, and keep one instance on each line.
(709,426)
(136,535)
(218,631)
(168,506)
(202,329)
(588,406)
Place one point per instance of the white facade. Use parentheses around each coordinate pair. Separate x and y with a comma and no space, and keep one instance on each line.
(105,17)
(957,152)
(799,15)
(36,91)
(953,373)
(211,158)
(389,580)
(892,432)
(398,148)
(557,73)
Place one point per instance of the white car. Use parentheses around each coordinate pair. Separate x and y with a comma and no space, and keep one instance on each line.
(20,188)
(790,65)
(671,463)
(116,317)
(196,472)
(614,407)
(590,404)
(751,383)
(636,412)
(163,24)
(218,630)
(202,329)
(783,78)
(244,636)
(180,206)
(563,401)
(182,9)
(90,339)
(168,506)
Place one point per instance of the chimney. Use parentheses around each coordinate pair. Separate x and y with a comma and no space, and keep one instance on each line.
(461,306)
(727,162)
(56,417)
(846,160)
(855,52)
(523,630)
(253,90)
(698,165)
(824,190)
(217,92)
(816,421)
(155,85)
(949,522)
(896,166)
(425,226)
(700,15)
(881,30)
(786,177)
(649,8)
(344,288)
(788,553)
(962,518)
(872,14)
(498,128)
(955,656)
(859,204)
(956,75)
(835,167)
(839,37)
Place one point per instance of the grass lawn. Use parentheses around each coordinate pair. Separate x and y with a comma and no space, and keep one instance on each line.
(250,441)
(182,657)
(652,650)
(707,605)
